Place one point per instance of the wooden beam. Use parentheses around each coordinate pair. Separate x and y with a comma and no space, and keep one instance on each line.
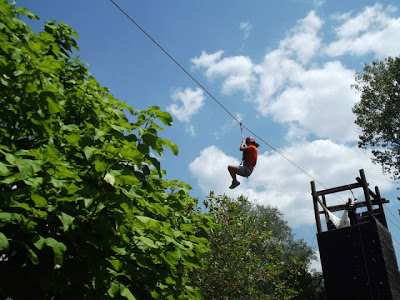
(339,189)
(357,205)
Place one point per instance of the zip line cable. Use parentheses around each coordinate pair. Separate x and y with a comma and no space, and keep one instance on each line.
(396,218)
(391,220)
(215,99)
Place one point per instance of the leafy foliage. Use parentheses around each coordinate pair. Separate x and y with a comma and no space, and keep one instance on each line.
(254,255)
(377,114)
(85,212)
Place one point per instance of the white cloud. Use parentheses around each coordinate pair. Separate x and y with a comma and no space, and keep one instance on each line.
(372,16)
(318,3)
(341,17)
(273,72)
(191,101)
(371,31)
(206,60)
(279,183)
(296,133)
(304,41)
(191,130)
(320,100)
(237,71)
(246,28)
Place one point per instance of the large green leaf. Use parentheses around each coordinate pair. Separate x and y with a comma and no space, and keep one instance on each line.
(120,251)
(33,257)
(113,290)
(164,117)
(66,220)
(149,223)
(148,242)
(173,256)
(52,105)
(12,218)
(4,244)
(188,227)
(4,170)
(109,179)
(38,241)
(39,200)
(27,13)
(58,250)
(73,139)
(28,167)
(89,151)
(125,292)
(130,153)
(174,148)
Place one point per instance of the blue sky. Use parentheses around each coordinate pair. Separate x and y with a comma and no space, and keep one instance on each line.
(284,69)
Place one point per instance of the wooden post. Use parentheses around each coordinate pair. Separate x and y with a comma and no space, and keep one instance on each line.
(316,210)
(366,192)
(371,193)
(379,199)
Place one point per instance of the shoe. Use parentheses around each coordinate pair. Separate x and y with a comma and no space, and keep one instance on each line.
(234,184)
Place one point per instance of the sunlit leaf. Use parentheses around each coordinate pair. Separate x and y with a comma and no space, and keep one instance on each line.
(89,151)
(120,251)
(149,222)
(58,250)
(66,220)
(109,179)
(113,290)
(12,218)
(28,167)
(4,244)
(148,242)
(38,241)
(125,292)
(164,117)
(4,170)
(39,200)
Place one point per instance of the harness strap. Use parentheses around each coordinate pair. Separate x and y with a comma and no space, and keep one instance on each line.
(250,163)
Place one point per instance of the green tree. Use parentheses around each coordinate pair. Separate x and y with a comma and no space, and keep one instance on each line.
(378,112)
(254,255)
(85,212)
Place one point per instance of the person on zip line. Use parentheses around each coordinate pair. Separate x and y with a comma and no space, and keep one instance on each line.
(249,160)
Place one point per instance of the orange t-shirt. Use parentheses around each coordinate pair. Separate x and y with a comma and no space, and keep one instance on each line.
(250,155)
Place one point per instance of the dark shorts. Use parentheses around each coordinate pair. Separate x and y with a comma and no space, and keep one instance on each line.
(244,171)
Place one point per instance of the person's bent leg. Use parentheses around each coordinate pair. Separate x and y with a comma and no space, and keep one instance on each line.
(233,170)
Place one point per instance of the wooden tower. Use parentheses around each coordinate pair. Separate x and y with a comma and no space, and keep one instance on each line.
(358,261)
